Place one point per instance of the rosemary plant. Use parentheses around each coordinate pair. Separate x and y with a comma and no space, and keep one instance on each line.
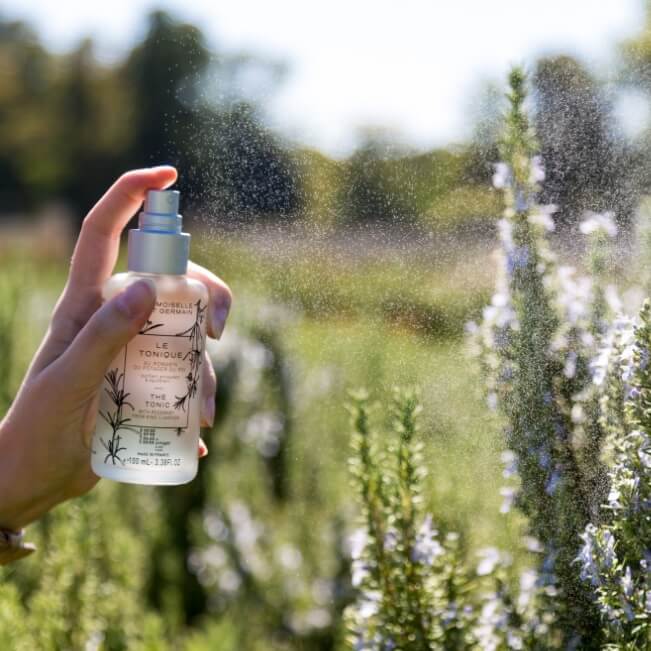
(616,555)
(536,342)
(413,588)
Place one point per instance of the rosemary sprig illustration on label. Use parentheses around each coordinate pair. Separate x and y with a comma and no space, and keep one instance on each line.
(150,325)
(193,333)
(115,419)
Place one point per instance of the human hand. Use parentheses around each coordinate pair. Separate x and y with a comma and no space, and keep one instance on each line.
(45,437)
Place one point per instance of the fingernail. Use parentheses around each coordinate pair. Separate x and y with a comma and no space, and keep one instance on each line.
(209,410)
(203,449)
(136,300)
(219,315)
(163,166)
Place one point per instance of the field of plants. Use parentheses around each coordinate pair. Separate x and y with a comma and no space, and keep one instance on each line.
(420,444)
(264,531)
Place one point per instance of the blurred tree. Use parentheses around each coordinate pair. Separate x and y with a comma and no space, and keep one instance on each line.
(587,166)
(61,122)
(163,73)
(93,128)
(69,125)
(225,155)
(246,171)
(374,189)
(26,170)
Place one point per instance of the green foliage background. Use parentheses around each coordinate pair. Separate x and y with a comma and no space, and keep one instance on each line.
(112,568)
(142,568)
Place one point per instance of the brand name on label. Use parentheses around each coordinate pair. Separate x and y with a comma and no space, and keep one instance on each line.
(174,307)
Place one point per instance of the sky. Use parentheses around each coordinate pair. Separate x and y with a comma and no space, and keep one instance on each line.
(409,66)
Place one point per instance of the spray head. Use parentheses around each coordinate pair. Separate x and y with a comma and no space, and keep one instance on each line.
(158,245)
(162,202)
(160,212)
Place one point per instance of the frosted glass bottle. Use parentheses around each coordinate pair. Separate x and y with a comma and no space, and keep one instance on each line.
(147,428)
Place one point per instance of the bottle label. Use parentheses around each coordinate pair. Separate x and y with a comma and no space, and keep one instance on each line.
(150,390)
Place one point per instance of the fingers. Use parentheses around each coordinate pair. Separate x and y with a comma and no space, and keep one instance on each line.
(94,258)
(97,247)
(83,365)
(208,390)
(220,298)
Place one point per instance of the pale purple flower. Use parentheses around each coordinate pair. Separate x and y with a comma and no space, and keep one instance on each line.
(609,556)
(450,614)
(614,497)
(289,557)
(577,413)
(528,586)
(490,559)
(542,218)
(508,494)
(502,176)
(471,328)
(645,458)
(229,581)
(426,547)
(574,294)
(544,458)
(532,544)
(522,203)
(360,570)
(265,429)
(517,259)
(317,618)
(510,464)
(500,313)
(569,371)
(493,623)
(390,540)
(369,604)
(357,542)
(553,482)
(599,366)
(246,533)
(505,233)
(595,222)
(491,401)
(587,556)
(537,171)
(620,334)
(627,582)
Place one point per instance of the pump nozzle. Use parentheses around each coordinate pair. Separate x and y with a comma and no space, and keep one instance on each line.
(162,202)
(158,245)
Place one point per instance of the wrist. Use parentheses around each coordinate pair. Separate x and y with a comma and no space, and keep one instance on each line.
(12,547)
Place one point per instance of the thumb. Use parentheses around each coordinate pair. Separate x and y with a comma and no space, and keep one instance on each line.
(83,365)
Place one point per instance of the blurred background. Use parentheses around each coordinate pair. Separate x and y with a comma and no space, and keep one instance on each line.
(335,161)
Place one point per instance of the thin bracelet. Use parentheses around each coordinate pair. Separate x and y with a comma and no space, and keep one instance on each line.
(13,547)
